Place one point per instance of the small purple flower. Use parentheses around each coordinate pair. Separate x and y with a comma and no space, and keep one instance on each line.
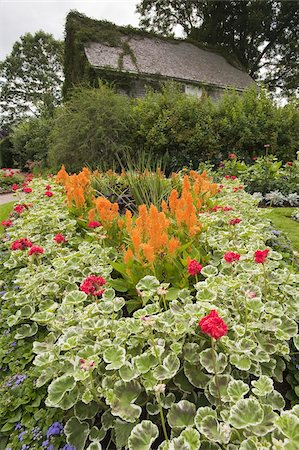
(55,429)
(18,426)
(16,380)
(45,444)
(2,293)
(6,332)
(25,447)
(21,435)
(13,344)
(68,447)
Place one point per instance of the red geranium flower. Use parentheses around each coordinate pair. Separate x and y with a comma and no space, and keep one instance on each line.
(92,285)
(235,221)
(6,223)
(48,187)
(290,163)
(227,208)
(19,209)
(232,156)
(35,250)
(231,257)
(213,325)
(254,158)
(194,267)
(15,187)
(27,190)
(59,238)
(261,255)
(94,224)
(49,194)
(21,244)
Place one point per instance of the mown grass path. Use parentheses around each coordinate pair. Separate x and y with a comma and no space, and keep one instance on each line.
(281,218)
(4,213)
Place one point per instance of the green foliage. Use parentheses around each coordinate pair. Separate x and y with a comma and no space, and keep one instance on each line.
(175,124)
(91,128)
(31,141)
(31,78)
(116,377)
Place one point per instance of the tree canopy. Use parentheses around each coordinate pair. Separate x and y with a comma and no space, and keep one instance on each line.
(264,35)
(30,78)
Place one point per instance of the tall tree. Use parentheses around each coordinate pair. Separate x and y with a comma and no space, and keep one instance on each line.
(264,35)
(30,78)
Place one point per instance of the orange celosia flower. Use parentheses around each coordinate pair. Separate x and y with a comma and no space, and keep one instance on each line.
(62,176)
(129,256)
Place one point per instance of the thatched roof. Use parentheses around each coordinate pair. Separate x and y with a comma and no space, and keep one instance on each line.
(169,59)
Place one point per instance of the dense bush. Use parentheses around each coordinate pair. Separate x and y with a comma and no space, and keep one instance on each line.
(173,123)
(31,141)
(91,128)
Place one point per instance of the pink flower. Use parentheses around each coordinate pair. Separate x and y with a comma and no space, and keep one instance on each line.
(94,224)
(60,239)
(27,190)
(6,223)
(254,158)
(194,267)
(233,177)
(232,156)
(213,325)
(92,285)
(261,255)
(15,187)
(230,257)
(290,163)
(36,250)
(235,221)
(49,194)
(21,244)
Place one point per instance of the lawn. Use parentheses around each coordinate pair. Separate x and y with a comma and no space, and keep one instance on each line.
(281,218)
(4,213)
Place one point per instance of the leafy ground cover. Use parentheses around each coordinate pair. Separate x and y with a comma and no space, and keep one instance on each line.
(202,354)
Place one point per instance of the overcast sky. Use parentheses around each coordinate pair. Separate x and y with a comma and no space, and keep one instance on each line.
(20,16)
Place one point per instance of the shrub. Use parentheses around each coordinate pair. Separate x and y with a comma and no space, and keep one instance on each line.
(91,128)
(30,141)
(170,122)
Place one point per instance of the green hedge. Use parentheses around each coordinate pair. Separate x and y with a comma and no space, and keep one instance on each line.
(96,125)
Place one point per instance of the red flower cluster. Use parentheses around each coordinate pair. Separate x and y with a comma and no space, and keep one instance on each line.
(213,325)
(19,209)
(290,163)
(59,238)
(194,267)
(230,257)
(92,285)
(27,190)
(94,224)
(35,250)
(15,187)
(235,221)
(261,255)
(221,208)
(21,244)
(230,177)
(49,194)
(232,156)
(48,187)
(238,188)
(6,223)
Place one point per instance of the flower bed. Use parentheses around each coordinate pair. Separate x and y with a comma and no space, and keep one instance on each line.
(10,179)
(192,356)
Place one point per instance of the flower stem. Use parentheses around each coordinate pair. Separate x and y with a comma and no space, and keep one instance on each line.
(163,421)
(215,370)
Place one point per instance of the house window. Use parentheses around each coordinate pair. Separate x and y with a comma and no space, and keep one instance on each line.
(193,90)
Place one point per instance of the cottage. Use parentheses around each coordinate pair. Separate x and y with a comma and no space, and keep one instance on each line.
(134,60)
